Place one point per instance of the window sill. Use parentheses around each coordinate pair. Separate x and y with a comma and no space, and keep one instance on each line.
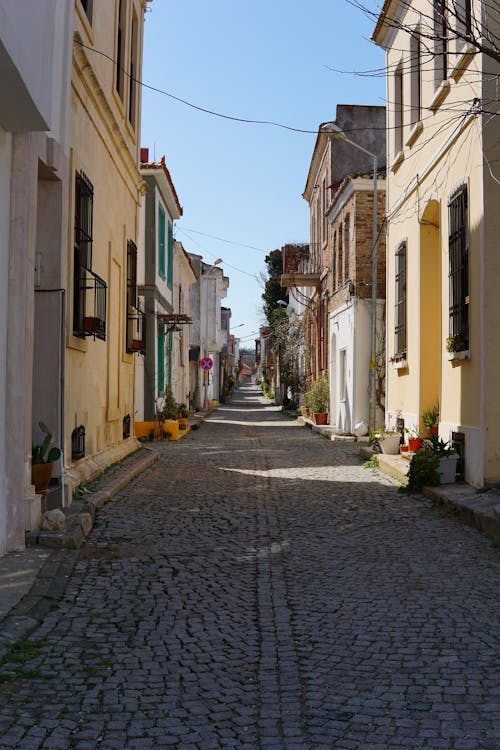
(457,356)
(398,160)
(440,95)
(414,133)
(463,59)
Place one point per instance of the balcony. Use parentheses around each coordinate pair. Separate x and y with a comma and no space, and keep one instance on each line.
(295,261)
(91,318)
(136,331)
(293,256)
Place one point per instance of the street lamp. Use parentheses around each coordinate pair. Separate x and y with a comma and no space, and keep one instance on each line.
(333,129)
(206,372)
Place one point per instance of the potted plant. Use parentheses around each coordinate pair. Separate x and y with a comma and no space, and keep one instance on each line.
(42,460)
(430,419)
(318,399)
(435,463)
(182,417)
(456,343)
(423,470)
(388,440)
(415,440)
(447,459)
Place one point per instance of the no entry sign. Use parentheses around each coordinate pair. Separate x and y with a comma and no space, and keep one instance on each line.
(206,363)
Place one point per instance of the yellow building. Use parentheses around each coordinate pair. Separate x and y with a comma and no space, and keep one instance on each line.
(104,203)
(443,223)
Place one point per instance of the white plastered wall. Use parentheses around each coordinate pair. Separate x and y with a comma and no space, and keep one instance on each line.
(5,159)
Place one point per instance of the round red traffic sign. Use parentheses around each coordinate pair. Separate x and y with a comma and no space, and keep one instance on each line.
(206,363)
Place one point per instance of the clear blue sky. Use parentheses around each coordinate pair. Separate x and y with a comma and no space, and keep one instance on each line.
(260,60)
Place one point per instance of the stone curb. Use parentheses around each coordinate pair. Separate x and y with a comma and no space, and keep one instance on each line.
(80,515)
(53,576)
(47,589)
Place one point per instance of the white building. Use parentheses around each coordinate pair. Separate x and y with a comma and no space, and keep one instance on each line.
(35,60)
(207,337)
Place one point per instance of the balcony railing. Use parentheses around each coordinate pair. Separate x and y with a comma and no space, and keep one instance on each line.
(136,331)
(93,291)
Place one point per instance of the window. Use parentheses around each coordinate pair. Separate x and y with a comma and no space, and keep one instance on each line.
(132,98)
(342,375)
(440,42)
(463,20)
(131,275)
(161,359)
(398,110)
(458,246)
(334,262)
(170,255)
(415,78)
(347,224)
(161,241)
(87,7)
(89,291)
(400,304)
(120,48)
(323,194)
(340,278)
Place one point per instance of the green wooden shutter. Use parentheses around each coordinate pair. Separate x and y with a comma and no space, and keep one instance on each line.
(161,241)
(169,363)
(161,360)
(170,256)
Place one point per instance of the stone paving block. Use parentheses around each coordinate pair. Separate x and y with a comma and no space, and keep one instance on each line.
(257,588)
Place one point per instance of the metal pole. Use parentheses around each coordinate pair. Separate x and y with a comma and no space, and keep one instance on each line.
(373,348)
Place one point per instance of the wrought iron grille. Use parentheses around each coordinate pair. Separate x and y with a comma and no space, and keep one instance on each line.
(458,443)
(400,305)
(94,293)
(78,443)
(84,218)
(126,426)
(459,271)
(136,331)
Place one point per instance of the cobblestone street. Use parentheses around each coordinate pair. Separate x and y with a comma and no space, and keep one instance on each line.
(259,589)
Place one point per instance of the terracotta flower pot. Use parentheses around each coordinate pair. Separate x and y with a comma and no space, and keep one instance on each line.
(41,475)
(321,417)
(414,444)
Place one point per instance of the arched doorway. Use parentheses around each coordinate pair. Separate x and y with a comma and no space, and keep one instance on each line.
(430,308)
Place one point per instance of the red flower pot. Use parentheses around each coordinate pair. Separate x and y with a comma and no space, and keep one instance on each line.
(414,444)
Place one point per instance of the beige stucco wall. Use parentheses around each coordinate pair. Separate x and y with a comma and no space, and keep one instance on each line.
(100,374)
(440,153)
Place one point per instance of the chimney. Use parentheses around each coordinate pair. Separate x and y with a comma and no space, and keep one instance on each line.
(144,155)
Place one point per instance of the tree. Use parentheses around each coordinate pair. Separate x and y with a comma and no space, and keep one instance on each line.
(273,291)
(473,23)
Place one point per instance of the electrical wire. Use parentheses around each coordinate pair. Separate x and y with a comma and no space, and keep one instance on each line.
(212,112)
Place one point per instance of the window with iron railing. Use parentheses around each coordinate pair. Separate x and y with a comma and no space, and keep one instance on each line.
(458,247)
(400,342)
(136,319)
(89,290)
